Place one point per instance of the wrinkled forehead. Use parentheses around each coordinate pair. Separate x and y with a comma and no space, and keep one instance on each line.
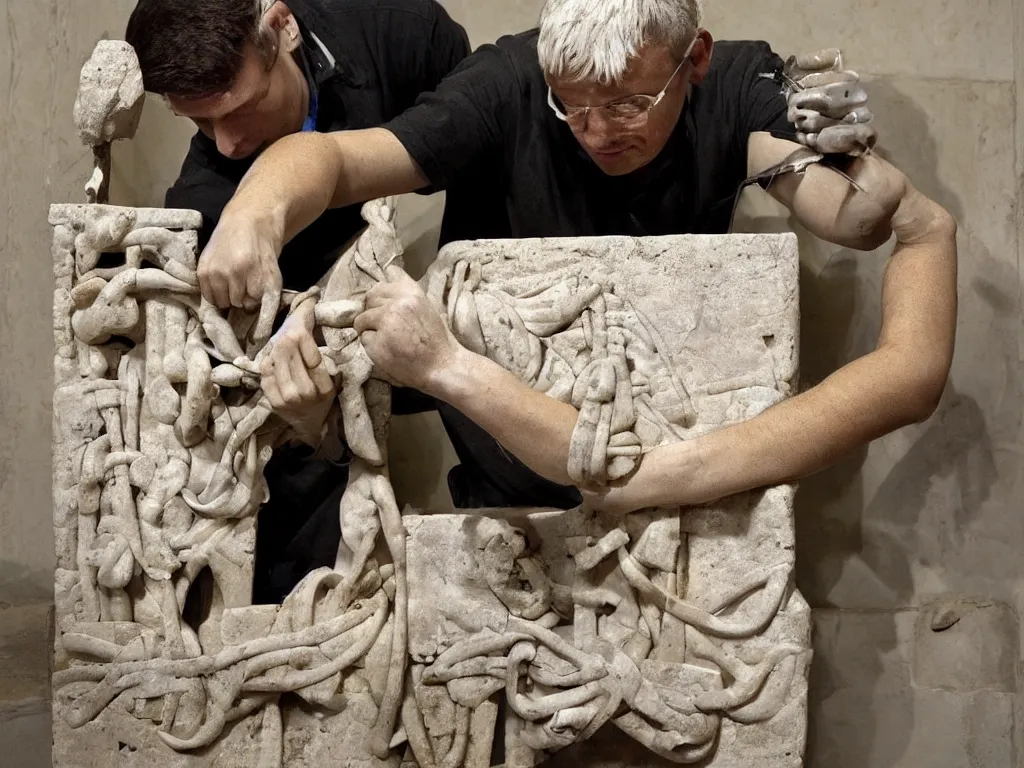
(646,72)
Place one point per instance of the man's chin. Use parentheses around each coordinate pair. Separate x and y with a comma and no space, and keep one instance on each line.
(617,163)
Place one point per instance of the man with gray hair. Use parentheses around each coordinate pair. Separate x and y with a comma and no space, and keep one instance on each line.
(621,117)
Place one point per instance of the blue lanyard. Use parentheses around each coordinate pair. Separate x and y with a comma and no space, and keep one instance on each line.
(310,123)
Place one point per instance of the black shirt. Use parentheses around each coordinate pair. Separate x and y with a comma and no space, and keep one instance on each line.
(490,119)
(513,169)
(386,53)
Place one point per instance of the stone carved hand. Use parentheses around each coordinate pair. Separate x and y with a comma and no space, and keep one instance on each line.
(238,268)
(828,104)
(294,375)
(403,334)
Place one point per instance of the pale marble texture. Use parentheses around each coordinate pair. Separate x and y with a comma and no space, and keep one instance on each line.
(681,628)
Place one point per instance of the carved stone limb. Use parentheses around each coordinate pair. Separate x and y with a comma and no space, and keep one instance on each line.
(680,627)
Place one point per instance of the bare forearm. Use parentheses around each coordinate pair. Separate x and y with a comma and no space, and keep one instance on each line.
(300,176)
(899,383)
(535,428)
(798,437)
(291,184)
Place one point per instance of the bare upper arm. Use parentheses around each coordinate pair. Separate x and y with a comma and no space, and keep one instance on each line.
(825,201)
(374,163)
(919,302)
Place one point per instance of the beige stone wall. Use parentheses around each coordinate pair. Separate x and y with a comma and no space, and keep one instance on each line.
(932,513)
(43,44)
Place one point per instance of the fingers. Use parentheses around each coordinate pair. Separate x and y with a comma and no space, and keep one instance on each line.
(309,352)
(214,286)
(253,284)
(383,363)
(322,380)
(239,264)
(266,359)
(384,293)
(808,121)
(370,319)
(823,59)
(298,385)
(227,286)
(268,382)
(859,115)
(236,290)
(264,277)
(380,294)
(835,100)
(843,139)
(371,345)
(830,110)
(830,77)
(270,302)
(292,372)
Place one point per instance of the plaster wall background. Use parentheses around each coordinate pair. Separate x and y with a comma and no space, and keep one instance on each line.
(923,528)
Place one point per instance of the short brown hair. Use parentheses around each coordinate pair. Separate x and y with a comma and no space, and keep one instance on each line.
(195,48)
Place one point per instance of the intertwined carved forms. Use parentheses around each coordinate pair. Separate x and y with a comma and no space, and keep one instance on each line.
(680,629)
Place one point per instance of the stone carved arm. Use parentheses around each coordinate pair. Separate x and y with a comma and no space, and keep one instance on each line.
(827,104)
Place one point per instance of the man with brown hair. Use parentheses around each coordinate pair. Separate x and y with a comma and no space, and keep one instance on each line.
(247,73)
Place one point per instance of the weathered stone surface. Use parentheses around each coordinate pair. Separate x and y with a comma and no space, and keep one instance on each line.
(962,645)
(110,94)
(682,629)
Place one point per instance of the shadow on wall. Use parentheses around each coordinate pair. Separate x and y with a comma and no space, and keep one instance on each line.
(24,585)
(856,552)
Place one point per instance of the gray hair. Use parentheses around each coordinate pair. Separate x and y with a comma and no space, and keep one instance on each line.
(593,40)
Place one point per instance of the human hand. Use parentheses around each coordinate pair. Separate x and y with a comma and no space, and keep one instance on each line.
(828,105)
(294,375)
(238,268)
(612,500)
(403,334)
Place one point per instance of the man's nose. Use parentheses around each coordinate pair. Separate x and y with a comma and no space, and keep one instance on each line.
(597,127)
(599,124)
(231,140)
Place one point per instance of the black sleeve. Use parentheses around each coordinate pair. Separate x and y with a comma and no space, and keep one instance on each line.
(205,184)
(417,44)
(208,181)
(763,106)
(449,45)
(463,124)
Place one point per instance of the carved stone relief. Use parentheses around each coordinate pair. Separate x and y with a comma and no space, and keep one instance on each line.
(477,639)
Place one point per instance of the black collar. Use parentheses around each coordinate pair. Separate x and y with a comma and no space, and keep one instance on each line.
(317,64)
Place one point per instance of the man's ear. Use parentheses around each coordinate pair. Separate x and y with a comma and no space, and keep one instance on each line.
(282,21)
(700,56)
